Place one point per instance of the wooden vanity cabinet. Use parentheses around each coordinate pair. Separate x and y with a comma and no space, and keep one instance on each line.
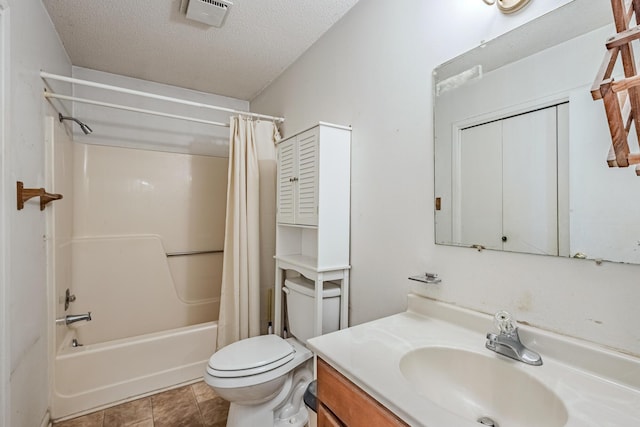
(342,403)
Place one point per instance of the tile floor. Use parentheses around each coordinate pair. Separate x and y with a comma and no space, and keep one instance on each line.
(195,405)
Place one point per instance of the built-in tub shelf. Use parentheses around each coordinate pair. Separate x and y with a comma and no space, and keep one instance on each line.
(189,253)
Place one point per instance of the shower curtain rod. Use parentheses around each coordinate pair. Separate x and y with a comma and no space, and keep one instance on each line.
(48,94)
(45,75)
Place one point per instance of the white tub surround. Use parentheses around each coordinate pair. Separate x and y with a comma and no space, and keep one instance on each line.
(596,386)
(138,240)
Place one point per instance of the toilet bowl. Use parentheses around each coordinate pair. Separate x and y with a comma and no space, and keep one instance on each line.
(265,391)
(265,377)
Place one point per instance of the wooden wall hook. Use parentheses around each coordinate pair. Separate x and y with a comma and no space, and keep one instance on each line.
(24,194)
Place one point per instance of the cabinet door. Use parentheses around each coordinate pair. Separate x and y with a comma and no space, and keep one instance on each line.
(307,182)
(286,180)
(349,403)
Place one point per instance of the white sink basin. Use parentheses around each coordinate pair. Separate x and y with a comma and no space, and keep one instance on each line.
(430,367)
(475,385)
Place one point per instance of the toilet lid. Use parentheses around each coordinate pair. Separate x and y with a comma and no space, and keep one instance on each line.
(251,356)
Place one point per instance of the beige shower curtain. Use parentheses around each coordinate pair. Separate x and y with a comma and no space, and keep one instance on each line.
(251,150)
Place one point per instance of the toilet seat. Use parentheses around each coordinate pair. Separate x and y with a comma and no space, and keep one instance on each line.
(251,356)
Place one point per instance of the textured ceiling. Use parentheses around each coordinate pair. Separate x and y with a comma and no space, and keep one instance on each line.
(153,40)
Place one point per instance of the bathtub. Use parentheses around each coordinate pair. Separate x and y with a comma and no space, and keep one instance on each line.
(98,375)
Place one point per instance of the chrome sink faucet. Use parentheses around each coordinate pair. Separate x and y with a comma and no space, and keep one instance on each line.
(508,343)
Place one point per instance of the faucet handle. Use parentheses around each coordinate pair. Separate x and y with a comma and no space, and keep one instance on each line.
(504,322)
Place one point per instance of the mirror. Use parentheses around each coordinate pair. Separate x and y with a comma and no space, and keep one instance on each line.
(521,147)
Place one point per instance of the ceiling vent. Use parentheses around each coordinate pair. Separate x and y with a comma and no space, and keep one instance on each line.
(210,12)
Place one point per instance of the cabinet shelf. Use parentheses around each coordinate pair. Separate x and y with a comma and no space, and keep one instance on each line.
(307,262)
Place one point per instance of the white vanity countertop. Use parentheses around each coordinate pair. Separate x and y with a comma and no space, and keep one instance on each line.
(598,387)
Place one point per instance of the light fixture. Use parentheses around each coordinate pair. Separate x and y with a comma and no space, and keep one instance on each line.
(508,6)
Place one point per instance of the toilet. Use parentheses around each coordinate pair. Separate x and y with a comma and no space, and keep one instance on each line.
(265,377)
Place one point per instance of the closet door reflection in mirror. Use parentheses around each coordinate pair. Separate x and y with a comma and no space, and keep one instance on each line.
(505,183)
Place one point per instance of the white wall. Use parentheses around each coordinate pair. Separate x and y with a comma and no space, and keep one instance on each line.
(5,203)
(373,71)
(34,45)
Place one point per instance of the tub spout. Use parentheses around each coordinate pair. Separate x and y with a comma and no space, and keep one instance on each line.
(73,318)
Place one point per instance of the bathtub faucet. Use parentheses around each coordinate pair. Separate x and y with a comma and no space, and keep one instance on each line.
(73,318)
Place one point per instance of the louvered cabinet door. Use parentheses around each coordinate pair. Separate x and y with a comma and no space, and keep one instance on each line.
(307,179)
(286,181)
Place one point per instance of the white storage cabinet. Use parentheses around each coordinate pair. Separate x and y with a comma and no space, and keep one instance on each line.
(312,230)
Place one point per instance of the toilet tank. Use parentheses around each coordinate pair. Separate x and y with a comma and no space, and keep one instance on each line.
(300,302)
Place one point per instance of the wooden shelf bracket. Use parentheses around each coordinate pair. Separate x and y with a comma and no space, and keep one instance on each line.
(24,194)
